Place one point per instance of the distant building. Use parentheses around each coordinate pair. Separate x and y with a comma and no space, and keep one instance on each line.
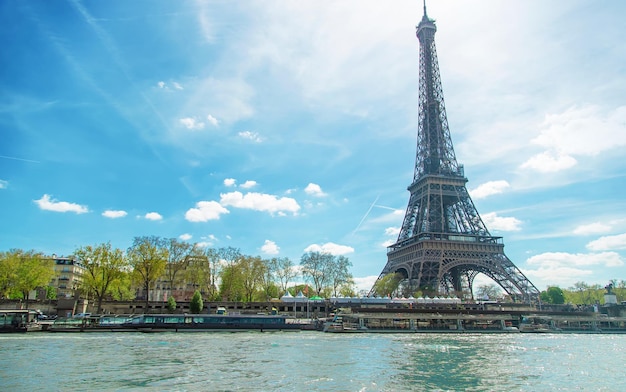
(68,276)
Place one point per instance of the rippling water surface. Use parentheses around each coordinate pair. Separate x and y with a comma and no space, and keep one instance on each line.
(311,361)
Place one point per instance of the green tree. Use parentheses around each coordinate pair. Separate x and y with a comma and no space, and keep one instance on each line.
(121,289)
(103,266)
(387,285)
(231,285)
(252,271)
(51,292)
(229,257)
(33,271)
(620,290)
(553,295)
(9,262)
(584,294)
(171,304)
(196,304)
(148,257)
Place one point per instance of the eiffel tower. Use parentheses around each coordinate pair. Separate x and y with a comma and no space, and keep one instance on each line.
(443,243)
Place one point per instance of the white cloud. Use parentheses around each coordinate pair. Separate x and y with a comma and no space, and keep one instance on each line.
(185,236)
(502,223)
(488,189)
(364,284)
(270,248)
(46,203)
(584,131)
(592,228)
(230,182)
(564,269)
(248,184)
(562,259)
(191,123)
(548,162)
(113,214)
(392,231)
(314,190)
(3,184)
(206,241)
(250,136)
(153,216)
(388,243)
(330,247)
(392,217)
(228,99)
(260,202)
(612,242)
(212,120)
(164,86)
(322,50)
(557,275)
(205,211)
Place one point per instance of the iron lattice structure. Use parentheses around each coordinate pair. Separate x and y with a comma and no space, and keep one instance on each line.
(443,243)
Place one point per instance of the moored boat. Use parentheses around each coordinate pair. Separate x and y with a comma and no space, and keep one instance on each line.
(210,322)
(419,323)
(106,323)
(573,323)
(19,320)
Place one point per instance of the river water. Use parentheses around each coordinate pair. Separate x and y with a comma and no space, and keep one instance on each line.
(311,361)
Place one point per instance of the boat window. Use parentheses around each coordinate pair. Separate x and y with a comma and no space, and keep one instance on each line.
(172,320)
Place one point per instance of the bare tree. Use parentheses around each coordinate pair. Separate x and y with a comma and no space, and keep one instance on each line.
(213,258)
(488,291)
(284,270)
(340,275)
(317,267)
(178,253)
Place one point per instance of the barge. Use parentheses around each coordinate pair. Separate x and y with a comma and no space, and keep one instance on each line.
(106,323)
(420,323)
(210,322)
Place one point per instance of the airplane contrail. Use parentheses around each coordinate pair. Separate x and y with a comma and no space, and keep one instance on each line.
(366,214)
(19,159)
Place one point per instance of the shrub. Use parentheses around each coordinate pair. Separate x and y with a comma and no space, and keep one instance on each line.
(196,304)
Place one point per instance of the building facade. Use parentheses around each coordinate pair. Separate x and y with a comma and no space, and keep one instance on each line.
(68,276)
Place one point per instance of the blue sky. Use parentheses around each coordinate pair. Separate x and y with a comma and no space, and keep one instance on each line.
(279,127)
